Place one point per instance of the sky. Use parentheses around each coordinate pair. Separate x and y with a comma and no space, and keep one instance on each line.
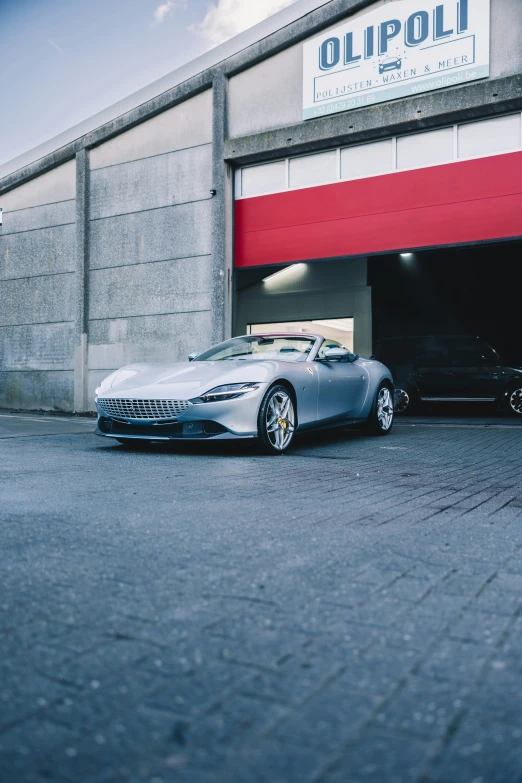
(62,61)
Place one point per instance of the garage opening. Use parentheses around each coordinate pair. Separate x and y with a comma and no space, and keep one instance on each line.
(471,290)
(328,297)
(445,319)
(446,322)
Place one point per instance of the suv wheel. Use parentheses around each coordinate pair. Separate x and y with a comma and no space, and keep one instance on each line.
(514,400)
(404,399)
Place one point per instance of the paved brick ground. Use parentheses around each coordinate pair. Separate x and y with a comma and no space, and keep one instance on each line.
(349,612)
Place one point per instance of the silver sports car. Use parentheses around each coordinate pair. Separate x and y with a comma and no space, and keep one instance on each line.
(267,386)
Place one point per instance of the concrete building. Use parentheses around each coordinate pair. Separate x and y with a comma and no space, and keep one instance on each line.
(316,143)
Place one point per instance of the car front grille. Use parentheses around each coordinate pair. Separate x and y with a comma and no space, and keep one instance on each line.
(151,410)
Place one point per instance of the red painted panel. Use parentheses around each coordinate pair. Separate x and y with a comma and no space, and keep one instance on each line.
(468,201)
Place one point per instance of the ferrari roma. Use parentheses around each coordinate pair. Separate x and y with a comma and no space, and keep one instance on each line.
(267,386)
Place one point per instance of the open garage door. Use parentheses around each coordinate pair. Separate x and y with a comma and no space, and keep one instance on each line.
(446,322)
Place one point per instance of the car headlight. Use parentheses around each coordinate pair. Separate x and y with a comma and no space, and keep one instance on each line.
(228,392)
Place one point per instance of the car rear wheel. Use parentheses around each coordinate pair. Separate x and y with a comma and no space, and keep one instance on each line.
(276,421)
(514,400)
(380,420)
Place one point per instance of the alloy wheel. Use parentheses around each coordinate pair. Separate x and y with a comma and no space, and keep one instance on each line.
(515,401)
(385,409)
(402,401)
(280,420)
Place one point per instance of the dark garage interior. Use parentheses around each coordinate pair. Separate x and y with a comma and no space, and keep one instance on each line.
(471,290)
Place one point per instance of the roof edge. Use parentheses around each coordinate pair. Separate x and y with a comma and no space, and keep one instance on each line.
(195,67)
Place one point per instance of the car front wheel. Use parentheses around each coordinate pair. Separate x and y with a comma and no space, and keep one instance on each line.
(380,420)
(276,422)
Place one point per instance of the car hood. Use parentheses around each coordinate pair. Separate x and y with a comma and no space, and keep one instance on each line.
(185,380)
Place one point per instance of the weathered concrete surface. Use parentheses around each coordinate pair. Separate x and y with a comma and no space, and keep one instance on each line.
(154,235)
(162,181)
(45,251)
(349,612)
(36,389)
(37,263)
(37,300)
(37,347)
(151,289)
(46,216)
(153,338)
(457,104)
(189,124)
(51,187)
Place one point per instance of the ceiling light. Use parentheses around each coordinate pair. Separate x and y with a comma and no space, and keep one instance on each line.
(406,255)
(284,271)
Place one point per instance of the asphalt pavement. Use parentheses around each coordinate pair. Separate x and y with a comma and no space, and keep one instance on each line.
(348,612)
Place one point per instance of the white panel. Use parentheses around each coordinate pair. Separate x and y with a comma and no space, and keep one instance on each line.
(267,178)
(425,149)
(489,136)
(186,125)
(57,185)
(313,169)
(366,159)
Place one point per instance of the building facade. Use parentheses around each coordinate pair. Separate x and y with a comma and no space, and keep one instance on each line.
(311,173)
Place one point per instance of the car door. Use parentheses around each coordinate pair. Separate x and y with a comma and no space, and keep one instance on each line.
(342,386)
(433,373)
(475,372)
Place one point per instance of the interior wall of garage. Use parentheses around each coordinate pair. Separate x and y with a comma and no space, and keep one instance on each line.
(37,275)
(269,95)
(150,241)
(329,289)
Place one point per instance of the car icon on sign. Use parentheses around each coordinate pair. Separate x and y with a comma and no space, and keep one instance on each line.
(390,64)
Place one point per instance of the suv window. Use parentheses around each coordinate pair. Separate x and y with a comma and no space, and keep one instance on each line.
(471,352)
(434,351)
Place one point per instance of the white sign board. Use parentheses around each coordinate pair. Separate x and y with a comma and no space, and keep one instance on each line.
(401,49)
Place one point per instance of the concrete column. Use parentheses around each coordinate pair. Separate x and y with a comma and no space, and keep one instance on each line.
(222,206)
(81,281)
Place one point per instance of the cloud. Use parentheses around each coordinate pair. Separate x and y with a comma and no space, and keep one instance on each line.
(226,18)
(162,10)
(55,46)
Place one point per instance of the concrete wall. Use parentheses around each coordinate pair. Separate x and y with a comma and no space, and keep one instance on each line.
(269,95)
(37,269)
(326,289)
(150,241)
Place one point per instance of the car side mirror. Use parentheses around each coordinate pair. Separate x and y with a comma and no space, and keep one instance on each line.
(337,354)
(193,356)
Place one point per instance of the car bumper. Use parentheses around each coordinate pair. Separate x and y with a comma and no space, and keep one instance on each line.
(224,420)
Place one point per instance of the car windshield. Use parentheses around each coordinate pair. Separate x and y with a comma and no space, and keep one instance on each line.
(260,348)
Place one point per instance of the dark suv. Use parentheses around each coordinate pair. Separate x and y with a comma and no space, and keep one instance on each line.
(449,369)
